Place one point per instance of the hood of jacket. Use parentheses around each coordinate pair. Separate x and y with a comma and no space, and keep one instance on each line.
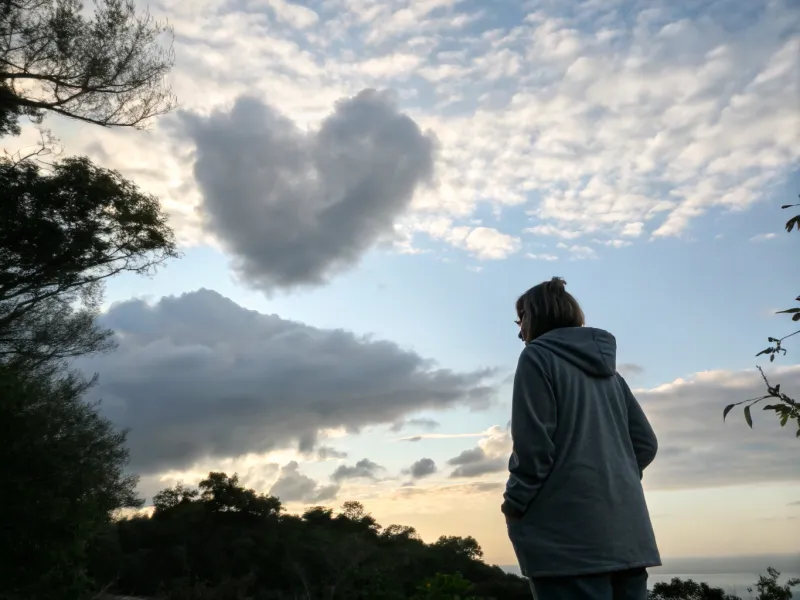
(593,351)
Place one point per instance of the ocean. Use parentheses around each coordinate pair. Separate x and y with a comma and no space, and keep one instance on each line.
(733,574)
(732,583)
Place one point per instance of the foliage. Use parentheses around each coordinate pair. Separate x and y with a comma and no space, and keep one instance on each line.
(108,70)
(467,547)
(63,232)
(63,476)
(226,541)
(769,589)
(687,589)
(785,407)
(64,229)
(444,587)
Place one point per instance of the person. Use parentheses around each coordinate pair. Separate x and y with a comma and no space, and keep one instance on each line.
(574,504)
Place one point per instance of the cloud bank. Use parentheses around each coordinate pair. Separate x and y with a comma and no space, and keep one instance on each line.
(696,448)
(198,376)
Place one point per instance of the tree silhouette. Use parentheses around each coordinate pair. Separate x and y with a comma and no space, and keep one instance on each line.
(768,587)
(63,233)
(108,70)
(63,476)
(208,544)
(687,589)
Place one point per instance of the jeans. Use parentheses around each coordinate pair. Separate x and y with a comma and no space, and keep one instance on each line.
(620,585)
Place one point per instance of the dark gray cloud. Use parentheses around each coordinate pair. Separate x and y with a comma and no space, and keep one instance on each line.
(630,369)
(327,453)
(467,457)
(421,468)
(475,462)
(363,469)
(295,208)
(293,486)
(419,423)
(198,376)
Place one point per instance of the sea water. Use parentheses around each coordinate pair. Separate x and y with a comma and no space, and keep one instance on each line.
(732,583)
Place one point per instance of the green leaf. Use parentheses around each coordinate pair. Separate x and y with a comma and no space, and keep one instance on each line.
(792,223)
(790,311)
(796,317)
(767,351)
(798,433)
(770,407)
(771,357)
(747,416)
(784,419)
(727,410)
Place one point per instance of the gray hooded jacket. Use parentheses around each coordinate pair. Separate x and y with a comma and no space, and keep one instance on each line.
(580,444)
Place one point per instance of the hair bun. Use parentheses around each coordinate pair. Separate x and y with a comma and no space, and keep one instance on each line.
(557,284)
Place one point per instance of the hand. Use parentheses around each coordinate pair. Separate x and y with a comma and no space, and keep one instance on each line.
(510,512)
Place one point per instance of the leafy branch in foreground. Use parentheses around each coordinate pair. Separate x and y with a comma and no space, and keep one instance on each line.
(64,232)
(108,70)
(785,408)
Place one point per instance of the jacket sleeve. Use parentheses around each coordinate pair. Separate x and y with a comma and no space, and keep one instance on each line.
(643,438)
(533,423)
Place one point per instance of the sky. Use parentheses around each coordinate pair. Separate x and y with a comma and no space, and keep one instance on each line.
(361,189)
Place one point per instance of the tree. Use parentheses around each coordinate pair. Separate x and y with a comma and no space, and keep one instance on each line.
(202,546)
(63,233)
(769,589)
(108,70)
(224,494)
(679,589)
(461,546)
(785,407)
(444,587)
(171,497)
(400,532)
(64,476)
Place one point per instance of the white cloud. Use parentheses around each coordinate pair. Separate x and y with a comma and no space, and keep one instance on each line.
(545,257)
(763,237)
(698,449)
(294,486)
(552,230)
(579,252)
(617,243)
(288,12)
(595,124)
(484,243)
(632,229)
(489,456)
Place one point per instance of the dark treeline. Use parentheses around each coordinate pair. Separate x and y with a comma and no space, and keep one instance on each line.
(225,541)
